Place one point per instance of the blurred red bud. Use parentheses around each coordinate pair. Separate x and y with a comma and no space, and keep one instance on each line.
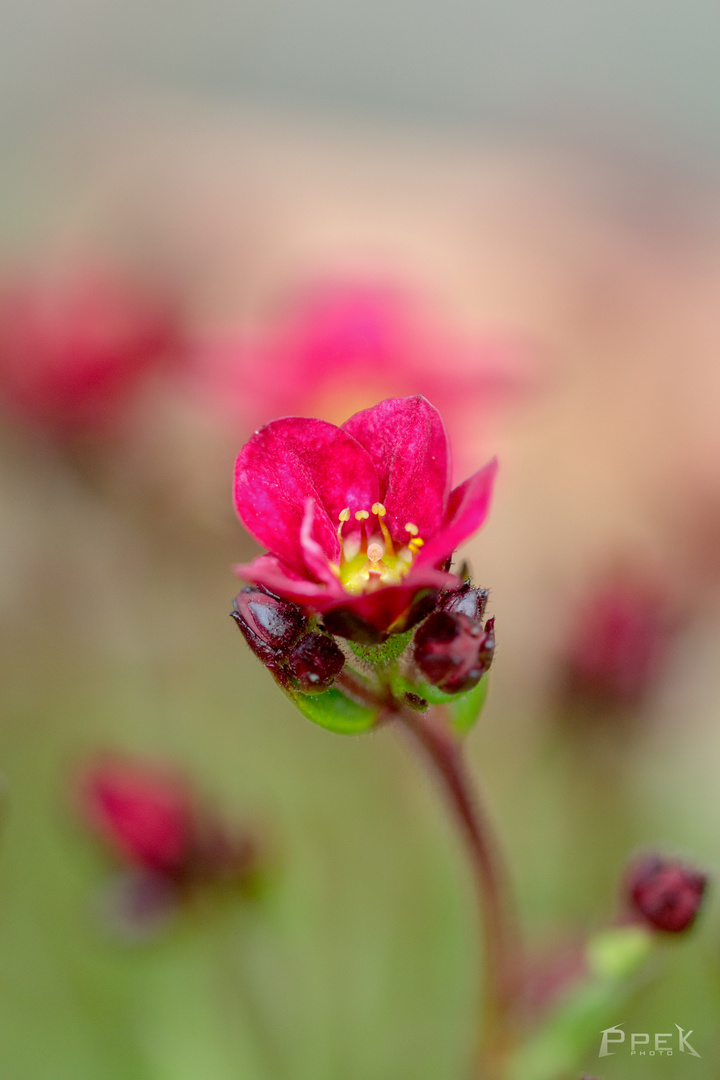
(665,892)
(620,639)
(151,819)
(143,814)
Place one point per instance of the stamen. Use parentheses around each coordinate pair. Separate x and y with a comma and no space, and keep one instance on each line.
(343,516)
(362,516)
(369,561)
(379,510)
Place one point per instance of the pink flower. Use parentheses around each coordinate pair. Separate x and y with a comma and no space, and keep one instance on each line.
(358,520)
(144,814)
(73,348)
(346,344)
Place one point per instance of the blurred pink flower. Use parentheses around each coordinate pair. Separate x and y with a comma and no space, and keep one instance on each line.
(167,842)
(359,520)
(75,346)
(347,344)
(620,639)
(144,815)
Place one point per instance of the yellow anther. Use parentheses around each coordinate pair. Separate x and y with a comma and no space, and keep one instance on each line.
(361,515)
(379,509)
(415,543)
(412,529)
(345,514)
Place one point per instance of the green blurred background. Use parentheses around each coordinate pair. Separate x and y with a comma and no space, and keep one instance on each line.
(546,171)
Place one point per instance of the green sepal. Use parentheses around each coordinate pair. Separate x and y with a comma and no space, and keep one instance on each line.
(613,957)
(465,710)
(334,711)
(385,655)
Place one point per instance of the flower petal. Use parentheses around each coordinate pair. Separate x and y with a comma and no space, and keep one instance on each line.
(285,581)
(313,554)
(467,509)
(290,461)
(406,440)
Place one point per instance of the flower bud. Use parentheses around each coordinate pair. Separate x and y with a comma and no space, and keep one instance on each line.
(620,639)
(665,892)
(274,622)
(144,814)
(169,843)
(315,662)
(465,600)
(453,651)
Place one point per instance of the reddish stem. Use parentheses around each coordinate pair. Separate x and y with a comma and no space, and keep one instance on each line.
(501,947)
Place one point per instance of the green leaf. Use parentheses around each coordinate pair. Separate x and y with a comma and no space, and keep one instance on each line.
(334,711)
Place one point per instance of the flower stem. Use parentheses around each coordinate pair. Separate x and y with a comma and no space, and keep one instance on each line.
(498,923)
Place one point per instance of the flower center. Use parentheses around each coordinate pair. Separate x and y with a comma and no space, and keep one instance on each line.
(368,557)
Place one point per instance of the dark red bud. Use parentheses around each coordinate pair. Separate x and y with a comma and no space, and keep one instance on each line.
(315,662)
(453,651)
(465,600)
(274,622)
(666,892)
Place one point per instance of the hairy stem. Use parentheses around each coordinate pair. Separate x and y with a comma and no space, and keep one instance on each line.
(496,911)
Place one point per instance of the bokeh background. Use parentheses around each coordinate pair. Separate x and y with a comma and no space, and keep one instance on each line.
(244,209)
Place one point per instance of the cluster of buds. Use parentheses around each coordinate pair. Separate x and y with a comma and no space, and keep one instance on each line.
(281,636)
(665,892)
(452,648)
(168,845)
